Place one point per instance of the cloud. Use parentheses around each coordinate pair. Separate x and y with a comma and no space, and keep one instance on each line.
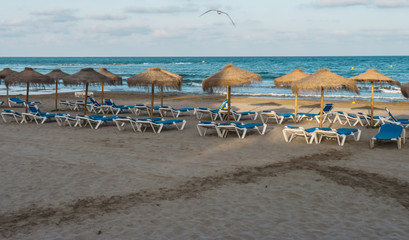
(106,17)
(56,15)
(158,10)
(392,3)
(118,30)
(340,3)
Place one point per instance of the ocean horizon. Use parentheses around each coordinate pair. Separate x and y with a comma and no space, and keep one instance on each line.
(195,69)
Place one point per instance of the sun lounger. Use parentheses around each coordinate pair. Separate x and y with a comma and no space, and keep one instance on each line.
(18,117)
(213,113)
(376,119)
(116,109)
(66,119)
(37,115)
(239,115)
(15,101)
(392,120)
(269,114)
(291,132)
(351,119)
(387,133)
(176,112)
(64,104)
(136,124)
(203,126)
(326,112)
(340,134)
(157,126)
(98,120)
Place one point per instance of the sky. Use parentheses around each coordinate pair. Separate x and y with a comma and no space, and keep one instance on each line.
(136,28)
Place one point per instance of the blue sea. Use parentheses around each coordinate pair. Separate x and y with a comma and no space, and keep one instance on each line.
(195,69)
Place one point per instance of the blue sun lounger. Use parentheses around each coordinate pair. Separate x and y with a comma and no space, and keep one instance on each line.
(15,101)
(310,116)
(37,115)
(339,134)
(18,117)
(401,121)
(174,111)
(387,133)
(279,117)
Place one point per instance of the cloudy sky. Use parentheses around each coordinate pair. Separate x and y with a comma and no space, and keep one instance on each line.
(175,28)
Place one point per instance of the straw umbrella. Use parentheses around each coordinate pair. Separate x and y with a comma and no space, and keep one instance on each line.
(405,90)
(116,78)
(3,74)
(87,76)
(227,77)
(28,76)
(156,77)
(57,75)
(324,80)
(374,76)
(286,80)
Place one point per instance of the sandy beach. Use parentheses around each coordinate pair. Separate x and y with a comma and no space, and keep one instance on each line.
(81,183)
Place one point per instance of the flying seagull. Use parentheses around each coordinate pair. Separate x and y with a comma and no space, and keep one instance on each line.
(219,12)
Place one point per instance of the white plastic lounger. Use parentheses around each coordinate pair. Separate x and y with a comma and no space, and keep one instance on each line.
(340,134)
(116,109)
(291,132)
(352,119)
(15,101)
(37,115)
(213,113)
(66,119)
(157,126)
(244,128)
(387,133)
(176,112)
(269,114)
(203,126)
(326,112)
(18,117)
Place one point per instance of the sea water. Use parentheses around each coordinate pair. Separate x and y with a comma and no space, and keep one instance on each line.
(195,69)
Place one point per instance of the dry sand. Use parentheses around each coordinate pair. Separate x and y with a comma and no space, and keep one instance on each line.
(80,183)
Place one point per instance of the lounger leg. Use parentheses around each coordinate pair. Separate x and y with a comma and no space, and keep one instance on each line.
(285,135)
(200,131)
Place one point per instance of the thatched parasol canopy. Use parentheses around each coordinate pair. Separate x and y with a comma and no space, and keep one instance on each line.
(156,77)
(57,75)
(87,76)
(373,76)
(116,78)
(286,80)
(322,80)
(230,76)
(405,90)
(5,72)
(28,76)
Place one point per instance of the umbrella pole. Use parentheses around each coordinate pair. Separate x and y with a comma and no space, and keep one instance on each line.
(27,92)
(102,93)
(322,105)
(228,103)
(295,107)
(152,96)
(7,92)
(161,96)
(56,94)
(371,103)
(86,99)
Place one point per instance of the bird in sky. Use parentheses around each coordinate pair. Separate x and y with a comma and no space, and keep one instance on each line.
(219,12)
